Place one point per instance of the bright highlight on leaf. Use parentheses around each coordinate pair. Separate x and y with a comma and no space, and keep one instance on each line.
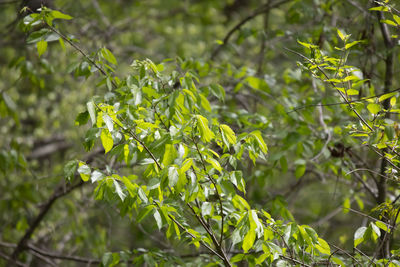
(359,236)
(374,108)
(206,134)
(262,145)
(106,140)
(84,171)
(228,135)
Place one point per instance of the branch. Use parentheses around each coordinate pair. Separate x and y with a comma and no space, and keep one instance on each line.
(9,2)
(91,61)
(363,121)
(258,11)
(59,192)
(364,99)
(10,260)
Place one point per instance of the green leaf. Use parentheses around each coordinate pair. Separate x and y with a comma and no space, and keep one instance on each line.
(236,177)
(96,175)
(215,164)
(307,45)
(393,101)
(323,247)
(376,230)
(92,111)
(248,240)
(142,195)
(347,46)
(237,257)
(397,19)
(388,22)
(118,190)
(240,203)
(59,15)
(169,155)
(300,170)
(107,55)
(338,261)
(382,225)
(374,108)
(82,118)
(218,91)
(109,122)
(158,219)
(84,171)
(386,96)
(379,8)
(173,176)
(341,35)
(143,213)
(204,103)
(346,205)
(359,235)
(41,47)
(129,186)
(352,92)
(206,134)
(228,134)
(186,165)
(260,141)
(254,82)
(106,140)
(70,169)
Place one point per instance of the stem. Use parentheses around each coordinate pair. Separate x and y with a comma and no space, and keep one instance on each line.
(216,190)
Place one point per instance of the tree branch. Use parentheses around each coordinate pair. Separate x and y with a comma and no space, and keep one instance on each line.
(258,11)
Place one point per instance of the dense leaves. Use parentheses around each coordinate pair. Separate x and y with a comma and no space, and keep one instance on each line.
(209,133)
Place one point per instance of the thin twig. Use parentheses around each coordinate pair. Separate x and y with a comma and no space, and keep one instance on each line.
(77,48)
(11,260)
(364,99)
(334,86)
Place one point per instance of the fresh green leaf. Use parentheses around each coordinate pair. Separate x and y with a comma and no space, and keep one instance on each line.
(262,145)
(70,169)
(84,171)
(228,134)
(359,235)
(106,140)
(206,134)
(41,47)
(374,108)
(107,55)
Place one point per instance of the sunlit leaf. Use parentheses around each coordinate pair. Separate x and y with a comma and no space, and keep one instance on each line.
(106,140)
(41,47)
(359,235)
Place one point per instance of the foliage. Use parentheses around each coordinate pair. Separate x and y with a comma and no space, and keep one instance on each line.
(225,154)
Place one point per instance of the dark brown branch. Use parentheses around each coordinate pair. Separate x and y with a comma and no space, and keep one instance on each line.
(9,2)
(59,192)
(63,257)
(10,260)
(258,11)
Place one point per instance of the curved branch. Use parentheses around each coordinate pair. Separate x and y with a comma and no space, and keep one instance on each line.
(260,10)
(59,192)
